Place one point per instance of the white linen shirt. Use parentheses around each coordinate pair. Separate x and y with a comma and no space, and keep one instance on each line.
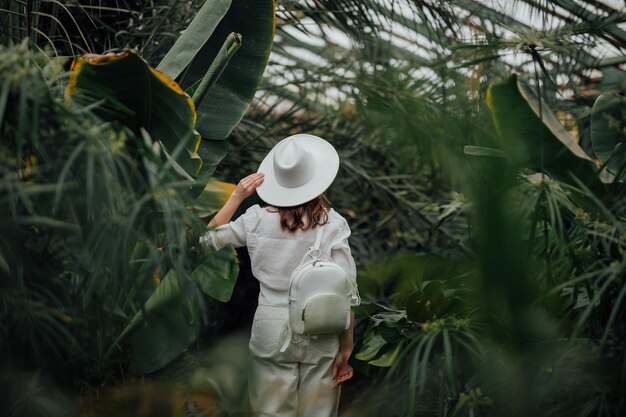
(276,253)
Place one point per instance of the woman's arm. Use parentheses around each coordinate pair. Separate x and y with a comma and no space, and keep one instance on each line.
(342,371)
(244,189)
(346,343)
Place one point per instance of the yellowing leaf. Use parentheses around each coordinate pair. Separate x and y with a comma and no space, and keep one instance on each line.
(213,197)
(126,89)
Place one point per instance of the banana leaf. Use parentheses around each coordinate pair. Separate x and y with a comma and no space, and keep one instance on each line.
(217,275)
(211,152)
(169,322)
(531,135)
(608,132)
(225,104)
(213,197)
(229,98)
(125,89)
(194,37)
(165,327)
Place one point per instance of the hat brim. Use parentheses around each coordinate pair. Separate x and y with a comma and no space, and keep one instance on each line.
(326,168)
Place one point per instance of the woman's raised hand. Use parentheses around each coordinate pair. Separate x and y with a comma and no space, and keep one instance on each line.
(247,186)
(243,190)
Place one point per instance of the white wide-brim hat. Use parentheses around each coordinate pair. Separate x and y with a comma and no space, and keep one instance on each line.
(298,169)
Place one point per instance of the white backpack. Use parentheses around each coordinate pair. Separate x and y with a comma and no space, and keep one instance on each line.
(319,294)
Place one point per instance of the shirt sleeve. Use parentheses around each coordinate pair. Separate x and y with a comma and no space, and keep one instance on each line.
(342,256)
(233,233)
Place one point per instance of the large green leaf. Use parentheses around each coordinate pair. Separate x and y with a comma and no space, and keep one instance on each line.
(213,197)
(194,37)
(418,308)
(217,275)
(144,268)
(220,62)
(165,327)
(211,152)
(374,342)
(388,358)
(127,90)
(531,134)
(608,132)
(229,98)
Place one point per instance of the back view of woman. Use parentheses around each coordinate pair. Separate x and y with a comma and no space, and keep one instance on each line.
(290,375)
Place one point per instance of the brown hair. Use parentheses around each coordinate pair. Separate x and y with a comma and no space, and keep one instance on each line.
(314,212)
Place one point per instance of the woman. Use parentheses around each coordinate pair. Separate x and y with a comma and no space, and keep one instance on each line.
(289,375)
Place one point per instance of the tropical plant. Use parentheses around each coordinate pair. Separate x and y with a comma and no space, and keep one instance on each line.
(99,191)
(76,205)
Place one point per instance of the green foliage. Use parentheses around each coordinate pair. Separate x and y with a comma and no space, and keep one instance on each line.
(187,46)
(491,325)
(76,204)
(94,198)
(125,89)
(225,104)
(608,133)
(166,316)
(531,132)
(213,197)
(203,57)
(223,57)
(499,332)
(217,275)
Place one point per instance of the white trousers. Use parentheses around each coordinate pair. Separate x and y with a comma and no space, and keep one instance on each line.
(293,383)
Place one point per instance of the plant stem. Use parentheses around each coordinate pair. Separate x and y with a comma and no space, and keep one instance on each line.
(228,49)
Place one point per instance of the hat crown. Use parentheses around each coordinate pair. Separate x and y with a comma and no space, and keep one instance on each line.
(293,164)
(297,169)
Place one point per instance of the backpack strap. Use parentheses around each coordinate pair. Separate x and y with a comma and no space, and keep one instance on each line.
(318,239)
(314,251)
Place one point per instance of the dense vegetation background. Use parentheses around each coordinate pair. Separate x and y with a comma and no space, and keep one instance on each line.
(483,155)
